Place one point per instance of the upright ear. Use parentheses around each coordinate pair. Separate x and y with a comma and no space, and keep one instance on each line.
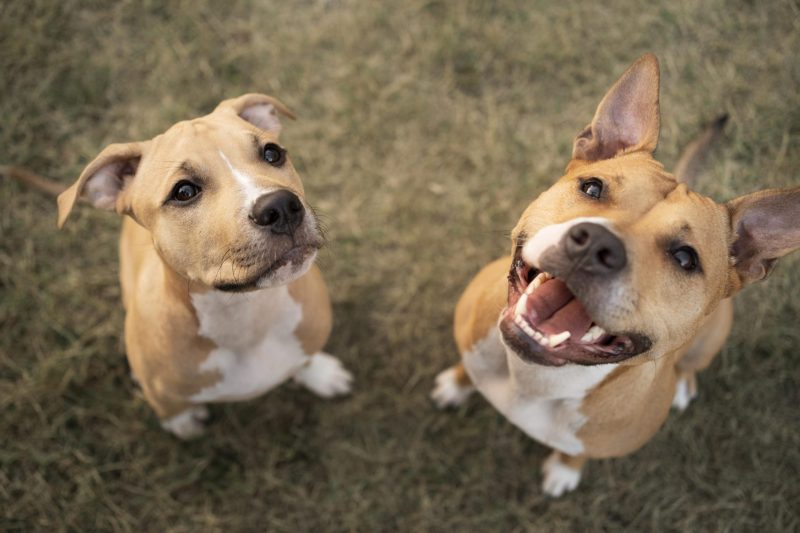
(766,226)
(260,110)
(102,181)
(627,118)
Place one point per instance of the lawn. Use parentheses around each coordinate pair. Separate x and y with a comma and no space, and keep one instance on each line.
(424,129)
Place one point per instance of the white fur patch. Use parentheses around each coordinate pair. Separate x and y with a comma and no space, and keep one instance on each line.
(550,236)
(247,184)
(325,376)
(256,346)
(287,273)
(447,392)
(683,395)
(542,401)
(558,477)
(188,424)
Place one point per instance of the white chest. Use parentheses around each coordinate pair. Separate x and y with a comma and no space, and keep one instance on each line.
(542,401)
(256,345)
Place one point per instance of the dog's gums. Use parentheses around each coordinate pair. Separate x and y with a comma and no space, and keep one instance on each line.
(546,323)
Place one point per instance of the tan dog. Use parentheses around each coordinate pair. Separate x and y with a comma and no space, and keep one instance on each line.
(222,301)
(617,291)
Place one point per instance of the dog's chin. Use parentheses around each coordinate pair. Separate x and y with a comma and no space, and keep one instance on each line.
(284,270)
(546,324)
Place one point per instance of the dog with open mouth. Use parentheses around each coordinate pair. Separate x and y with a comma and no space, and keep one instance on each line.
(617,292)
(222,299)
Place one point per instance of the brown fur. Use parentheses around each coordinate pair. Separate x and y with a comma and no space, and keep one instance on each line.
(315,326)
(688,317)
(168,254)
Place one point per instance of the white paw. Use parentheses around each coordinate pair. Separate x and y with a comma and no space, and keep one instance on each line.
(447,392)
(325,376)
(188,424)
(558,477)
(683,395)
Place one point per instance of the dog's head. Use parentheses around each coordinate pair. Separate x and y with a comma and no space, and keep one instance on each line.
(618,259)
(219,195)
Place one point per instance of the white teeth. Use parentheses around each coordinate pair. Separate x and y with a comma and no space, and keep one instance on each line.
(521,304)
(538,337)
(594,333)
(559,338)
(518,320)
(537,281)
(521,307)
(550,341)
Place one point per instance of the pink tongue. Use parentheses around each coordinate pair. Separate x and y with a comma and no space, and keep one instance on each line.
(572,317)
(555,309)
(551,296)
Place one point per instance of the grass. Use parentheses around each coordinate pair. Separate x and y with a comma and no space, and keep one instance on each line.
(425,128)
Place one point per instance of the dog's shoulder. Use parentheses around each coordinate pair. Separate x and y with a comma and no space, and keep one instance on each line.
(480,305)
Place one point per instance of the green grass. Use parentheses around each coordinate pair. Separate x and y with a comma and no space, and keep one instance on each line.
(425,128)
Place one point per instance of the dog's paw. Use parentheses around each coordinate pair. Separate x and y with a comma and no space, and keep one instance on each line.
(325,376)
(448,392)
(685,392)
(558,477)
(188,424)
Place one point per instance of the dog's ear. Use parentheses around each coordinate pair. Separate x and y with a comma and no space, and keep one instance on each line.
(103,179)
(260,110)
(627,118)
(766,226)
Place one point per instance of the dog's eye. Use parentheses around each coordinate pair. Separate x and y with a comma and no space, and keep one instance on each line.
(274,154)
(592,187)
(183,192)
(686,257)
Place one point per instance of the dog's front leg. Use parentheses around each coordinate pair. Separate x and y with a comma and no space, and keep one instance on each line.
(453,387)
(562,473)
(325,376)
(188,424)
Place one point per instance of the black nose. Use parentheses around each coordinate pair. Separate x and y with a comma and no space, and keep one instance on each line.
(280,211)
(594,249)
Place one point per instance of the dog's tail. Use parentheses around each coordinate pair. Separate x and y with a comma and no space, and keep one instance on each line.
(696,153)
(36,181)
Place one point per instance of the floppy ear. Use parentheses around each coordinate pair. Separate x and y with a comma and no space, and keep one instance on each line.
(627,118)
(102,181)
(260,110)
(766,226)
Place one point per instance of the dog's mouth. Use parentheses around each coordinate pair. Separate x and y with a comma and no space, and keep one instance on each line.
(546,323)
(295,258)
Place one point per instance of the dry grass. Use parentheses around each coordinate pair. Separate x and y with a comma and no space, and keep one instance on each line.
(426,127)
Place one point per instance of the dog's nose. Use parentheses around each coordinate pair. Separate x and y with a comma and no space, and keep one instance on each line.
(280,211)
(594,249)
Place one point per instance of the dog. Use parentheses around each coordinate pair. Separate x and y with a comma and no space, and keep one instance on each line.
(616,293)
(223,300)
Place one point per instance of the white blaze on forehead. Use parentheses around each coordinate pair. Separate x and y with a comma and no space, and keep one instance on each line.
(551,235)
(247,184)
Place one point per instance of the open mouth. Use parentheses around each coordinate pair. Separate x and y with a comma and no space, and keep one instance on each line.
(296,255)
(546,323)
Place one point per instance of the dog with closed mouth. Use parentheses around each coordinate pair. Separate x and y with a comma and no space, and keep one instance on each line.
(222,299)
(616,293)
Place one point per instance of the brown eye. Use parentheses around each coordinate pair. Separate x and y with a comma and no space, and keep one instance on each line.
(592,187)
(686,257)
(274,154)
(183,192)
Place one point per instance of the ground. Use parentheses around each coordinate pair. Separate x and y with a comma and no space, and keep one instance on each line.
(424,129)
